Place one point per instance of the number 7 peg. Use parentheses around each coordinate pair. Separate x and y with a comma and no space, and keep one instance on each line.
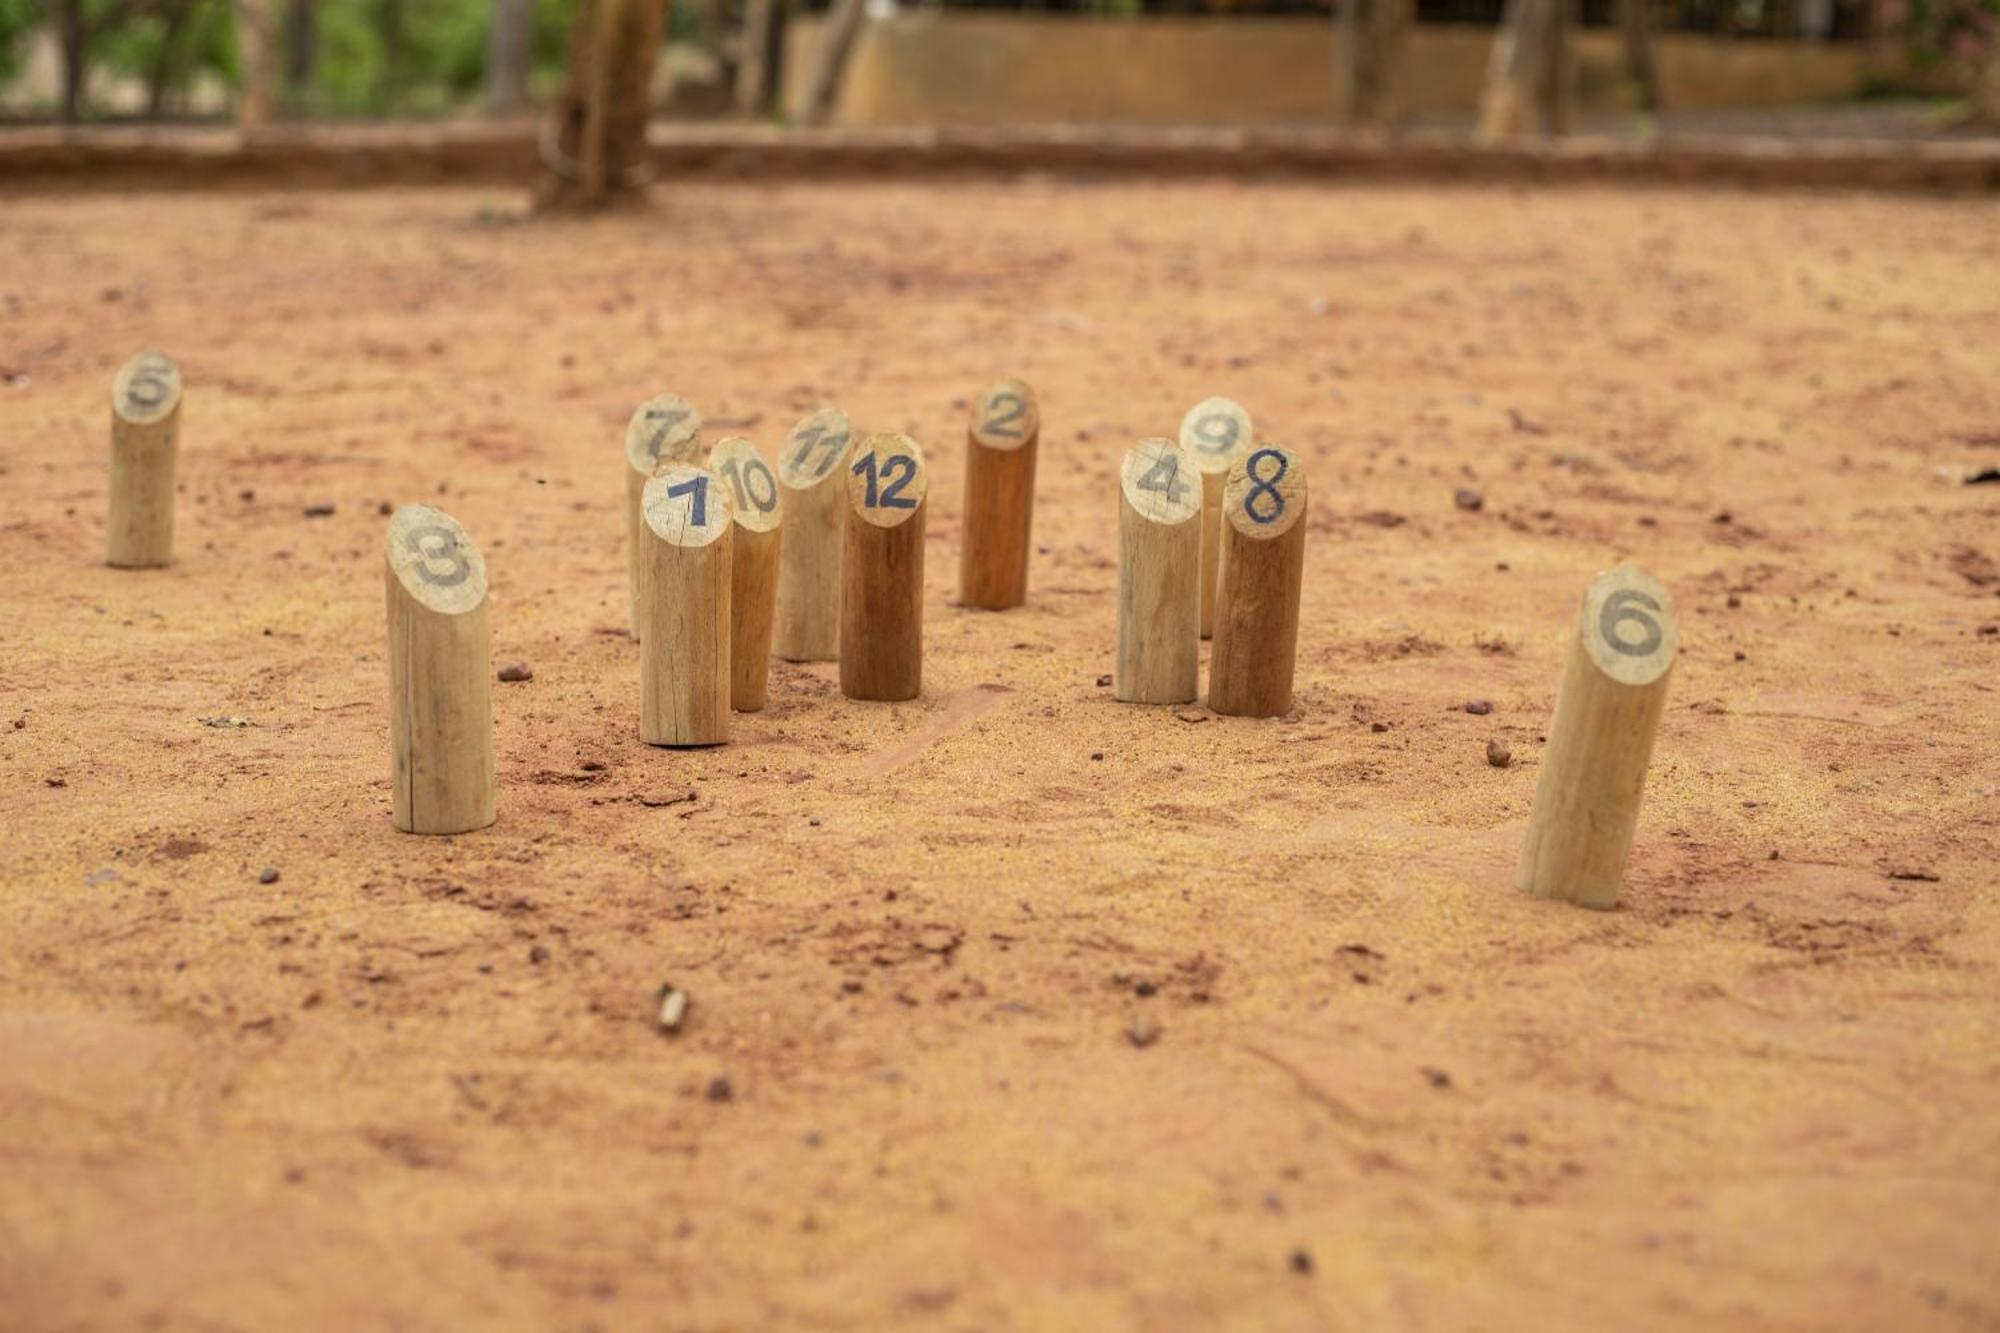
(1159,562)
(754,549)
(663,430)
(1614,687)
(1257,587)
(684,623)
(440,675)
(882,571)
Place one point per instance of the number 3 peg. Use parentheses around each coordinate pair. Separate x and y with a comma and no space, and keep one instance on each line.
(440,675)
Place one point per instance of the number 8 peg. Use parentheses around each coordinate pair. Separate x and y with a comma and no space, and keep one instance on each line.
(1159,563)
(684,624)
(882,571)
(440,675)
(1614,687)
(753,566)
(1257,587)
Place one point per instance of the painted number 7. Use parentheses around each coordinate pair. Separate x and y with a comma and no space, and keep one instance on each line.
(696,486)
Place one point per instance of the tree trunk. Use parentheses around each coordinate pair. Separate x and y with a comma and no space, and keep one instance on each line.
(160,75)
(257,41)
(1388,28)
(301,51)
(510,56)
(73,36)
(1347,60)
(1642,60)
(595,147)
(389,78)
(1531,75)
(843,24)
(1559,69)
(763,59)
(1982,103)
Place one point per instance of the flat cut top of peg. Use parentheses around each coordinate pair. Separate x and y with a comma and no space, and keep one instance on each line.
(686,505)
(813,450)
(665,429)
(887,481)
(146,389)
(1160,482)
(1628,628)
(1214,430)
(435,560)
(753,491)
(1265,493)
(1005,415)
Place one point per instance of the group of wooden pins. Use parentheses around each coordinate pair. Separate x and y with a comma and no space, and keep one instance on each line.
(730,563)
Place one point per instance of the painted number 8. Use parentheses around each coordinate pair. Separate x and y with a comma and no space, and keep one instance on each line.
(1261,485)
(1623,606)
(433,546)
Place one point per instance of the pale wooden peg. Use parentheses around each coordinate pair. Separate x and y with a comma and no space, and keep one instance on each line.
(1614,687)
(882,571)
(145,449)
(684,624)
(1216,432)
(1003,435)
(1257,585)
(753,565)
(663,430)
(440,675)
(1159,561)
(811,479)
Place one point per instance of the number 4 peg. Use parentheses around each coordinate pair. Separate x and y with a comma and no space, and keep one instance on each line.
(1159,562)
(754,552)
(882,571)
(1257,587)
(1614,687)
(684,623)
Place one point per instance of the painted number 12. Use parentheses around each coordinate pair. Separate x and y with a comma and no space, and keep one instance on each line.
(899,471)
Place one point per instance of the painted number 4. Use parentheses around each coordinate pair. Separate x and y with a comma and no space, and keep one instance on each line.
(1165,477)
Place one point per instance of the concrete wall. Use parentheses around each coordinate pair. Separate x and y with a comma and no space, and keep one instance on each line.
(927,68)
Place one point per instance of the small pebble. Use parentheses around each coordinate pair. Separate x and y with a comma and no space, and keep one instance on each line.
(1479,707)
(1302,1262)
(1143,1032)
(517,671)
(1468,499)
(385,509)
(269,875)
(1734,601)
(1498,754)
(1742,656)
(719,1089)
(1103,682)
(673,1008)
(319,511)
(1097,756)
(538,955)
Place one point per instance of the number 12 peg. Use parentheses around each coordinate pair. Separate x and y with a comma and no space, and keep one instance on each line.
(684,624)
(754,552)
(1002,438)
(882,571)
(663,430)
(1257,587)
(1159,562)
(1614,687)
(440,675)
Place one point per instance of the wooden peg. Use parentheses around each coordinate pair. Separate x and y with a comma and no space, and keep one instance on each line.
(811,479)
(1002,437)
(1257,585)
(663,430)
(753,565)
(1216,431)
(684,624)
(1614,686)
(882,571)
(145,447)
(1159,562)
(440,675)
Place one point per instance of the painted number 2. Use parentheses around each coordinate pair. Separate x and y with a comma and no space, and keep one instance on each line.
(899,471)
(1165,477)
(1262,486)
(1629,605)
(696,486)
(434,546)
(1001,423)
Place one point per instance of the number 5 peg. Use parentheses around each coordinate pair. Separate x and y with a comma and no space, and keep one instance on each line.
(1257,586)
(1000,445)
(1159,558)
(1614,687)
(684,624)
(440,677)
(754,550)
(145,446)
(882,571)
(663,430)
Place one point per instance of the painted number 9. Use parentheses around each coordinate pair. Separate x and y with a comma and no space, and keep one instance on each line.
(434,546)
(1630,606)
(1216,433)
(1262,486)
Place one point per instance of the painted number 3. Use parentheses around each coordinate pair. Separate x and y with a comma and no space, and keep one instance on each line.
(1629,606)
(899,471)
(434,546)
(1262,486)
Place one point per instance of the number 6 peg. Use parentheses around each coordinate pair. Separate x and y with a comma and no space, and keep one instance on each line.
(1257,588)
(1614,687)
(684,624)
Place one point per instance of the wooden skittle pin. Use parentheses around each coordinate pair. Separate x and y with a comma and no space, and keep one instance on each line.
(1216,431)
(1159,562)
(1002,437)
(440,675)
(684,623)
(663,430)
(754,552)
(882,571)
(1614,687)
(1257,585)
(812,479)
(145,448)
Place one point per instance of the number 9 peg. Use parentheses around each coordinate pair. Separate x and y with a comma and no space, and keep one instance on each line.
(753,566)
(440,675)
(1159,564)
(1614,688)
(1263,551)
(684,623)
(662,430)
(145,448)
(1214,432)
(882,571)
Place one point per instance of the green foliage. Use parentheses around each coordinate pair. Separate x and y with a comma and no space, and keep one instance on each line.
(17,19)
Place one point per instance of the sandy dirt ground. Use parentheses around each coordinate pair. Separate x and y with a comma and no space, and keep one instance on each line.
(417,1083)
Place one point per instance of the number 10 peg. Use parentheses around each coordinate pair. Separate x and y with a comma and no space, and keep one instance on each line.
(1614,687)
(882,571)
(1257,587)
(684,624)
(753,566)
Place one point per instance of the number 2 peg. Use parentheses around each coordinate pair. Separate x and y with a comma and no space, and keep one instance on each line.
(753,566)
(145,447)
(1614,687)
(1257,587)
(664,430)
(1159,558)
(440,675)
(882,571)
(684,623)
(812,477)
(1002,438)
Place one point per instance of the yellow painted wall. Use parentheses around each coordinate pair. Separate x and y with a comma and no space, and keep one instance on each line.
(927,68)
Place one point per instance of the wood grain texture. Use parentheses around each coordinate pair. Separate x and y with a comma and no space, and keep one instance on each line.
(882,571)
(757,509)
(440,675)
(1257,585)
(1003,436)
(1215,432)
(663,430)
(1614,687)
(812,472)
(1159,567)
(145,455)
(684,636)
